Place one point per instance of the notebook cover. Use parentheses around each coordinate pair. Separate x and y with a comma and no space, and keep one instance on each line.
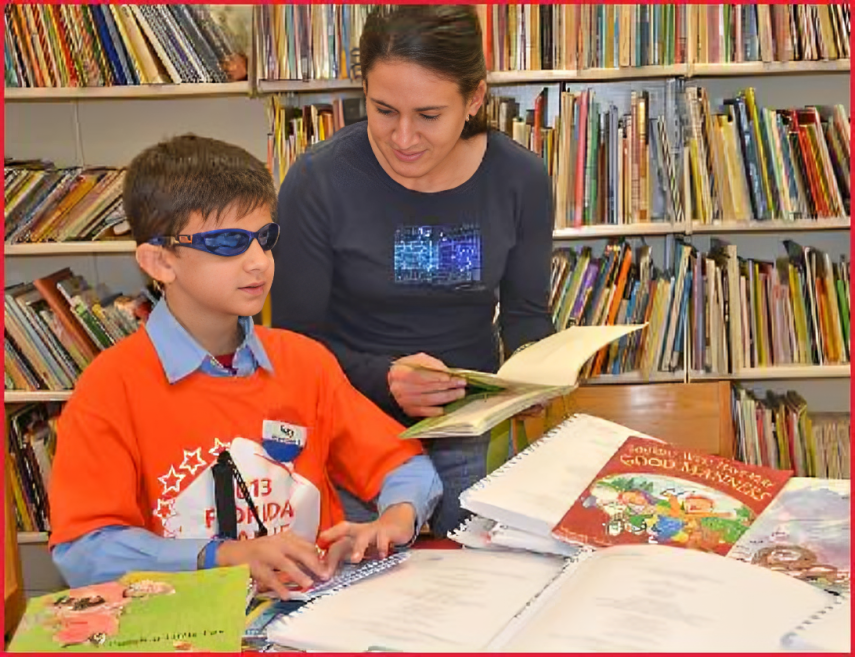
(650,492)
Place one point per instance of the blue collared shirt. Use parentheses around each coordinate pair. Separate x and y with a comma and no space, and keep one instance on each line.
(109,552)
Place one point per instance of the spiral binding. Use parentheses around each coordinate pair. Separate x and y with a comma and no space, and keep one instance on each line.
(351,576)
(508,465)
(840,598)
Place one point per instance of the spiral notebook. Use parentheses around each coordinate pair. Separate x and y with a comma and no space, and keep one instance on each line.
(628,598)
(532,491)
(828,630)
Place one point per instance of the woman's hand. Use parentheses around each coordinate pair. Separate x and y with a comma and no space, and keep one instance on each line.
(350,541)
(421,393)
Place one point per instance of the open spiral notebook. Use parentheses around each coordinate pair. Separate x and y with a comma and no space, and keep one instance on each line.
(630,598)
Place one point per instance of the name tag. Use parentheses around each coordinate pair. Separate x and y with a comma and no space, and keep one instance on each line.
(283,441)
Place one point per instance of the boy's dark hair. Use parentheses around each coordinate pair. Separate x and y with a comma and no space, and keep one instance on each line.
(166,183)
(445,39)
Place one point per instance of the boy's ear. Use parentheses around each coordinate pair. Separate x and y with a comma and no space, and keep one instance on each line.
(156,261)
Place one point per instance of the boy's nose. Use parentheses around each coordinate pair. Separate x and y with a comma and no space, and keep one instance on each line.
(255,257)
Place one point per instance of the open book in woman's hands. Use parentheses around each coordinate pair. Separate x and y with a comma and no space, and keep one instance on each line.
(547,369)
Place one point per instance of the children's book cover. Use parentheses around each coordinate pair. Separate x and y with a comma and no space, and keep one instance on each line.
(652,492)
(804,533)
(200,611)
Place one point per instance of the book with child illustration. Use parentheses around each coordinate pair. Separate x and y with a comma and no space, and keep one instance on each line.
(652,492)
(805,533)
(199,611)
(539,372)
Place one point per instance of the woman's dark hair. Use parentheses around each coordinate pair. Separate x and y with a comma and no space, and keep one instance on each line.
(445,39)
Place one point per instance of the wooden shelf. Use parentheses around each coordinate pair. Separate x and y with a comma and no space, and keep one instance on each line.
(70,248)
(735,69)
(23,396)
(32,538)
(128,92)
(775,226)
(635,377)
(779,373)
(614,230)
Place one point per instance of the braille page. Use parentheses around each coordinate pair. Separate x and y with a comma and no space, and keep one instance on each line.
(653,598)
(436,601)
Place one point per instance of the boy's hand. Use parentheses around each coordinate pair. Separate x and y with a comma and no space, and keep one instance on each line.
(420,393)
(294,558)
(349,541)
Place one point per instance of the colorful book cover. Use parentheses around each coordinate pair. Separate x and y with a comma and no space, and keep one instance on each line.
(651,492)
(804,533)
(199,611)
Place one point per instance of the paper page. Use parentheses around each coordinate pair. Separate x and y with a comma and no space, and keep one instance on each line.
(653,598)
(829,630)
(533,491)
(516,539)
(437,601)
(473,415)
(557,359)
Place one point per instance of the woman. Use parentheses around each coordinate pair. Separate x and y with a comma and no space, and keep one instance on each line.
(402,233)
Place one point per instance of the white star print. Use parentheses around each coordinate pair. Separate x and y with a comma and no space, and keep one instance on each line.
(218,447)
(171,476)
(164,509)
(191,467)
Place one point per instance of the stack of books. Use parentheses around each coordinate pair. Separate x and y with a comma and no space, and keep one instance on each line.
(45,203)
(56,325)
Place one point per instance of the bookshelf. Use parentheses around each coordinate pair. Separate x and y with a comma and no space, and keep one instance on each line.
(106,126)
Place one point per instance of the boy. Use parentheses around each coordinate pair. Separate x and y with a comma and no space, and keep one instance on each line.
(162,426)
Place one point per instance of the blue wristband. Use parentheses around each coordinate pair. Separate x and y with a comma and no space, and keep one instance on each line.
(211,553)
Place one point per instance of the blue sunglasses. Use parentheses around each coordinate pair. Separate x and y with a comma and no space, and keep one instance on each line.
(223,242)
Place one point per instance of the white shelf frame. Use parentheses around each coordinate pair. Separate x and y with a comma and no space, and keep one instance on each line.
(498,78)
(778,373)
(25,396)
(70,248)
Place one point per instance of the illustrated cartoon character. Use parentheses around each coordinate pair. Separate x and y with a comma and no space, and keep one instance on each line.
(91,614)
(681,521)
(801,563)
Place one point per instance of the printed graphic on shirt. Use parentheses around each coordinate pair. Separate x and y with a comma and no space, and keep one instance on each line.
(284,499)
(439,256)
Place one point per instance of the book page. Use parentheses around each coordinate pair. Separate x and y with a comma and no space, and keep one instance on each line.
(653,598)
(533,491)
(436,601)
(557,359)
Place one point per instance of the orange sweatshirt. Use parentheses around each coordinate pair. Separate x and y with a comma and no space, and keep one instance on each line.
(134,450)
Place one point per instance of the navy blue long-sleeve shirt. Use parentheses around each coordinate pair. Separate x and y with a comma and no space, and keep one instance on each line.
(377,271)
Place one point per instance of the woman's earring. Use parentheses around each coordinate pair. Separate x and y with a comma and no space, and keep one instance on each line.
(467,118)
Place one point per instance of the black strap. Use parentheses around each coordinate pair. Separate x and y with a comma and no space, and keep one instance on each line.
(224,498)
(225,475)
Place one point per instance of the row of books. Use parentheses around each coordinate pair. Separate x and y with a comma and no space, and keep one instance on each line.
(45,203)
(727,313)
(777,431)
(293,128)
(31,438)
(747,312)
(322,41)
(310,42)
(94,45)
(771,33)
(56,325)
(620,286)
(749,162)
(584,36)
